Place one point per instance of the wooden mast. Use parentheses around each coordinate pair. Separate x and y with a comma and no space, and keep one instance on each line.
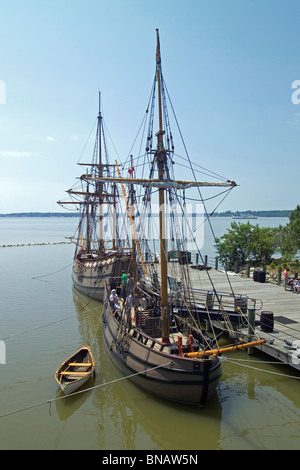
(100,174)
(88,236)
(134,265)
(161,163)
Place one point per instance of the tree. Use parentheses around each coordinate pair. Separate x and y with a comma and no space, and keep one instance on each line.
(264,243)
(245,241)
(295,226)
(289,235)
(235,245)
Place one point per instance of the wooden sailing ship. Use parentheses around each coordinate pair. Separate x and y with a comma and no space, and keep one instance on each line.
(143,331)
(100,252)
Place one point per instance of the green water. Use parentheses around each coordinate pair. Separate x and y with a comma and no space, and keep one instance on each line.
(43,321)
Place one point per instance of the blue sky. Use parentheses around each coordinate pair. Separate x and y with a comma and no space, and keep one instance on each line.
(229,66)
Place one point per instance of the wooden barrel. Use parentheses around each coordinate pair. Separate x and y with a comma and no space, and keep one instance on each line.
(242,303)
(267,321)
(261,276)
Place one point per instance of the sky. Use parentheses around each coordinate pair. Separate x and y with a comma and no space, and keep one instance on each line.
(230,67)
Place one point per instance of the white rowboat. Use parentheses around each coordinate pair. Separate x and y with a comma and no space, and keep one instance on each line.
(75,371)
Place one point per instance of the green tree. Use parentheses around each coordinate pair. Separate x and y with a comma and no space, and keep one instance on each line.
(245,241)
(264,243)
(295,226)
(289,235)
(235,245)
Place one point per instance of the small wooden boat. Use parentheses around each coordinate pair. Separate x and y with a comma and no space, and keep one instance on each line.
(75,371)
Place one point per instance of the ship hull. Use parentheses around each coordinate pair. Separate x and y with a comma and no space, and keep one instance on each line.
(89,276)
(88,281)
(165,375)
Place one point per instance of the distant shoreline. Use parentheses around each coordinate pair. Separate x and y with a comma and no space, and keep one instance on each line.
(41,214)
(274,213)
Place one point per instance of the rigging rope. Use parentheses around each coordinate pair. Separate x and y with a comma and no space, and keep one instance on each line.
(132,222)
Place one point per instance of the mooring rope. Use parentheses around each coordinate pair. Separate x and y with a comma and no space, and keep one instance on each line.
(56,398)
(47,324)
(54,272)
(51,400)
(262,370)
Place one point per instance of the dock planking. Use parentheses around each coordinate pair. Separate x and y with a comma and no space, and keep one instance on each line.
(285,306)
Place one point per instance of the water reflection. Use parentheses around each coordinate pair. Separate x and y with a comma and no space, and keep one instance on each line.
(67,406)
(128,417)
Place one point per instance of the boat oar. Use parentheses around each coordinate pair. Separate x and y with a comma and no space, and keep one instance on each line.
(219,351)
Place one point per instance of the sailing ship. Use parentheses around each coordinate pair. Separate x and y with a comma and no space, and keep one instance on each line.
(99,252)
(144,333)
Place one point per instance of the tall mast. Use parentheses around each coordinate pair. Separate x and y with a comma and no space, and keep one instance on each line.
(134,266)
(88,236)
(161,163)
(100,174)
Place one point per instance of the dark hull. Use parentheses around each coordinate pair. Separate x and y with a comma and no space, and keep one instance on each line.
(166,375)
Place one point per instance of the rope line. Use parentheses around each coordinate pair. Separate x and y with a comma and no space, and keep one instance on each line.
(46,324)
(54,272)
(264,370)
(81,391)
(56,398)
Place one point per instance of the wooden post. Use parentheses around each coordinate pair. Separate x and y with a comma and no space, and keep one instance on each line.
(216,262)
(251,328)
(207,326)
(248,270)
(205,260)
(279,277)
(236,267)
(197,259)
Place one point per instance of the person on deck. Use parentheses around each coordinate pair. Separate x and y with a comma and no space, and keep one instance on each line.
(129,289)
(123,284)
(114,300)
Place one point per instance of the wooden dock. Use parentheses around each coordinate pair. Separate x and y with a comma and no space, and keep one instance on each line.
(282,342)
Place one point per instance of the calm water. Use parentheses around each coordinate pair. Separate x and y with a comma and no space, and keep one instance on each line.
(252,409)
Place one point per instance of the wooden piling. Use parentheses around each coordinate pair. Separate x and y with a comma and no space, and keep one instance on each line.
(251,328)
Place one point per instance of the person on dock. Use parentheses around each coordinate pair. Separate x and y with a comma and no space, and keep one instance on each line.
(296,285)
(285,278)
